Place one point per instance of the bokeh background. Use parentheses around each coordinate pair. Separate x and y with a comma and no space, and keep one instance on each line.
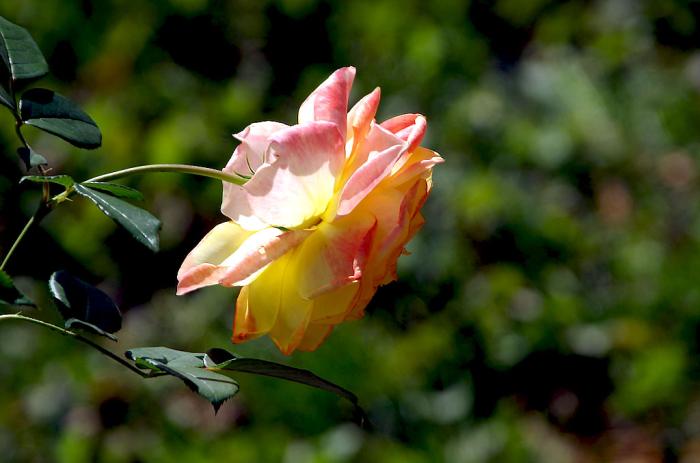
(549,311)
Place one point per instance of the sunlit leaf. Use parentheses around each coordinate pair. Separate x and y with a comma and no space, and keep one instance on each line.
(19,52)
(188,367)
(84,306)
(141,224)
(63,180)
(164,355)
(56,114)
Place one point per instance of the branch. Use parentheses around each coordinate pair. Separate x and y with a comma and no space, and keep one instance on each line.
(80,338)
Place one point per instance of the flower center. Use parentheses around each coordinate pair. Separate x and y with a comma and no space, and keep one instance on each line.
(310,223)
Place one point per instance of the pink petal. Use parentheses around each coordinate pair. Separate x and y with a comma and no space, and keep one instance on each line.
(246,159)
(367,177)
(409,127)
(296,188)
(249,155)
(257,252)
(376,140)
(359,119)
(231,256)
(329,102)
(398,123)
(418,164)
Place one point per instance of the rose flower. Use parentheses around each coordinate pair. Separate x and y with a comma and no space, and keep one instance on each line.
(330,204)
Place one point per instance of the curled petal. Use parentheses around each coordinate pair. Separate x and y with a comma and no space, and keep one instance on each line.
(329,102)
(246,160)
(378,139)
(202,263)
(297,187)
(257,252)
(367,177)
(232,256)
(418,164)
(250,154)
(359,119)
(408,127)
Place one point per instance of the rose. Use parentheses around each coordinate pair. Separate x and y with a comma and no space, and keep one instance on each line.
(330,204)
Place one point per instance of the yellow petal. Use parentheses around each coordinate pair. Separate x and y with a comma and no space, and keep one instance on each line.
(259,303)
(314,337)
(332,307)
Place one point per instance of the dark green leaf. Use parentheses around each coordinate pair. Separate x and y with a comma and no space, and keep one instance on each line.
(64,180)
(116,189)
(6,98)
(56,114)
(73,323)
(81,302)
(188,367)
(9,294)
(140,223)
(30,157)
(221,359)
(19,52)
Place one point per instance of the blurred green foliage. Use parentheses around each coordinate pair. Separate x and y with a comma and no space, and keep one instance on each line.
(549,311)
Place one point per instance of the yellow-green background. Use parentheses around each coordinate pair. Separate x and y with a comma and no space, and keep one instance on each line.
(549,311)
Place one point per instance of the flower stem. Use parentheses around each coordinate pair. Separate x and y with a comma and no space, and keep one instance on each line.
(180,168)
(80,338)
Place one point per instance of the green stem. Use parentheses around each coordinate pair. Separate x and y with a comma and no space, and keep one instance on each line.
(16,243)
(73,335)
(180,168)
(38,215)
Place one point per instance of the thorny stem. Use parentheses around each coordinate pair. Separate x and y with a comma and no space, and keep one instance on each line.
(180,168)
(80,338)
